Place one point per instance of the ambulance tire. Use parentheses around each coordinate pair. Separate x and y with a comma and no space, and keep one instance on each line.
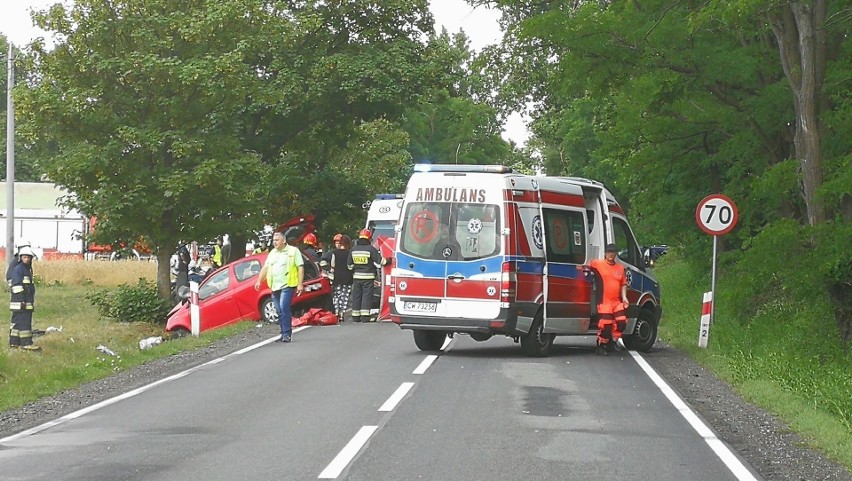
(429,340)
(536,343)
(644,334)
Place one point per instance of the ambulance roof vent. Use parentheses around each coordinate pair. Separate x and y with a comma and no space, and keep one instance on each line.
(488,169)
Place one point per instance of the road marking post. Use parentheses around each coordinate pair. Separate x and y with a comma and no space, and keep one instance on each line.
(704,330)
(194,311)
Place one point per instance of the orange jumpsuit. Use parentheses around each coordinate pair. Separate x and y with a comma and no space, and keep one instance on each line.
(612,312)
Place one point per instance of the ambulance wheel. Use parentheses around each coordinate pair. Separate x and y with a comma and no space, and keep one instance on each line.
(480,337)
(267,310)
(536,343)
(645,333)
(429,340)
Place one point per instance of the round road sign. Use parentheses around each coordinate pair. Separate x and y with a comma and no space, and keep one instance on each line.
(716,214)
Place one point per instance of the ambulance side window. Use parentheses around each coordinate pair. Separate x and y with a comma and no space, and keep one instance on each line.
(565,232)
(628,250)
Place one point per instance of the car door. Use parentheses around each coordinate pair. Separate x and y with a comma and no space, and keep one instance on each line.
(631,258)
(245,295)
(216,303)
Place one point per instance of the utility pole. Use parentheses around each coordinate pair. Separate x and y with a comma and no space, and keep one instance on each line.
(10,158)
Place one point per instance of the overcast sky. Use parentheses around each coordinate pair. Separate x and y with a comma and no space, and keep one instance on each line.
(479,24)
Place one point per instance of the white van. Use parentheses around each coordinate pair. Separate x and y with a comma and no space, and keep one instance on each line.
(482,251)
(382,218)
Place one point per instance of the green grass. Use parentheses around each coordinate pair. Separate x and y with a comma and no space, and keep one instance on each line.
(786,357)
(70,358)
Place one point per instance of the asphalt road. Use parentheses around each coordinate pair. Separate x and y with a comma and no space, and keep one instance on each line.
(360,402)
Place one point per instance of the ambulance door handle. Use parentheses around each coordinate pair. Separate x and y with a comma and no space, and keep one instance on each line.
(455,277)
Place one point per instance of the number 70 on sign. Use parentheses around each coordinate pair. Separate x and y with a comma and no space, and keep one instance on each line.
(716,214)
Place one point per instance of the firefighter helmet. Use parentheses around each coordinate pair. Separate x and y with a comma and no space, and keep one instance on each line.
(26,251)
(365,234)
(310,240)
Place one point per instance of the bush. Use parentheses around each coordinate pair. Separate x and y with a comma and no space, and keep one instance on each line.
(128,303)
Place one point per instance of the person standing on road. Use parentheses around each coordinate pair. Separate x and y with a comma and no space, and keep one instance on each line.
(21,303)
(340,275)
(612,308)
(284,272)
(364,261)
(217,253)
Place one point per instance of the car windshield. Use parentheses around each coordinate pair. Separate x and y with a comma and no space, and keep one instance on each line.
(455,231)
(215,284)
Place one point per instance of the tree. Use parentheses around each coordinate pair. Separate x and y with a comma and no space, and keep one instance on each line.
(143,103)
(25,169)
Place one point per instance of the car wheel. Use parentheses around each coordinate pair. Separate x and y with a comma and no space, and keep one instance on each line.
(429,340)
(644,334)
(267,310)
(536,343)
(179,332)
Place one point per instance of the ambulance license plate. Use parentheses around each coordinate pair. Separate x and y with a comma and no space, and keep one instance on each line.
(420,306)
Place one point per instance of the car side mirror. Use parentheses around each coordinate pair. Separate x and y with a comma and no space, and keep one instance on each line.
(183,292)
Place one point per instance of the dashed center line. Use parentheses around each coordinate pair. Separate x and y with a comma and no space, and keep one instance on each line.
(396,397)
(425,364)
(345,456)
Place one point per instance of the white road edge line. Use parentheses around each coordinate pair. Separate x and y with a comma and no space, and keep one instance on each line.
(722,451)
(139,390)
(396,397)
(425,364)
(347,454)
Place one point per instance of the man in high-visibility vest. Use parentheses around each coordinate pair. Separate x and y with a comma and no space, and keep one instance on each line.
(364,262)
(217,253)
(284,272)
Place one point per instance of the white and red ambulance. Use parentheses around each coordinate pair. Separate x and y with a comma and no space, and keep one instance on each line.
(382,218)
(483,251)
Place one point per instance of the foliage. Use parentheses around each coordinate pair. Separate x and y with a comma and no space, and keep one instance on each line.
(784,353)
(25,168)
(131,303)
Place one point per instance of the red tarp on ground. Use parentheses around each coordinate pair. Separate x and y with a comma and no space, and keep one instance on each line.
(316,317)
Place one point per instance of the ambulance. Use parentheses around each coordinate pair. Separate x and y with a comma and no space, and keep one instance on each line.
(382,218)
(484,251)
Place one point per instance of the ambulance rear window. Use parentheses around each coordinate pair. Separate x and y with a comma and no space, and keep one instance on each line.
(451,231)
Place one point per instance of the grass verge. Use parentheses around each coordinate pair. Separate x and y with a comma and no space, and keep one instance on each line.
(783,358)
(70,357)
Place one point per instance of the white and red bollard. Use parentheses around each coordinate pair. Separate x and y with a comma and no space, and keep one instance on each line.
(194,312)
(706,309)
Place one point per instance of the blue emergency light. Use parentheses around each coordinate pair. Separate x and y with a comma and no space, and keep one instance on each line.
(488,169)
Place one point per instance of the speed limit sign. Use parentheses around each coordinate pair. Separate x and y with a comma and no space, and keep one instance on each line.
(716,214)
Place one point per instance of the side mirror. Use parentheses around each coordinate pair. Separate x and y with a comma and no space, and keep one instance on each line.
(183,292)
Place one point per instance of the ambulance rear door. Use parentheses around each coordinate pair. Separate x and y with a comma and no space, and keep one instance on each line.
(449,253)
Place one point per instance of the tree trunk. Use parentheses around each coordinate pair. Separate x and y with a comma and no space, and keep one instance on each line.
(164,281)
(798,28)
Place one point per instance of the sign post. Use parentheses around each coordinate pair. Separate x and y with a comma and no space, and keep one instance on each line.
(194,310)
(716,215)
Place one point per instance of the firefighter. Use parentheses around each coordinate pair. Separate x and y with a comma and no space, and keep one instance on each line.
(612,308)
(217,253)
(364,261)
(21,304)
(310,247)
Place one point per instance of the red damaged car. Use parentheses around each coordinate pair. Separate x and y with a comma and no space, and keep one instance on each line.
(228,295)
